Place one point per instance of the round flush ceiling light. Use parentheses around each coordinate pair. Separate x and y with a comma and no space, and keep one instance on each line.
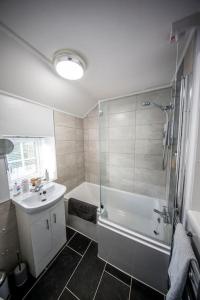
(69,64)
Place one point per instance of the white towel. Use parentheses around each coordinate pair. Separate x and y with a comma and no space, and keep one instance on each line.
(182,254)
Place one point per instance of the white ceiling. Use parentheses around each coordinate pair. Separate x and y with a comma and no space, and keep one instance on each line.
(125,43)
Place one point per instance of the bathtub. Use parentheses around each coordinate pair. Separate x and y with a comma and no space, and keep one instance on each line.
(90,193)
(130,234)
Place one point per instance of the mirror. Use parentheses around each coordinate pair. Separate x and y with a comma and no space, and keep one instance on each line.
(6,146)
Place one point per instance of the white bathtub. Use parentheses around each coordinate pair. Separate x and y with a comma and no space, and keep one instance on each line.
(131,211)
(126,232)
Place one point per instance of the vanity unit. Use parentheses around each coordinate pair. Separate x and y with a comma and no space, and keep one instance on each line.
(41,225)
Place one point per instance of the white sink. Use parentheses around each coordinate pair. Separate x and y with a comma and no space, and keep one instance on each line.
(33,202)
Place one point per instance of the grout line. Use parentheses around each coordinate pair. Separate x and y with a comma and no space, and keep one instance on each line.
(132,277)
(78,264)
(71,238)
(99,282)
(75,269)
(74,250)
(72,293)
(82,234)
(45,270)
(117,278)
(109,263)
(129,298)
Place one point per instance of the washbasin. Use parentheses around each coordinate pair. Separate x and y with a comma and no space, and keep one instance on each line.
(34,202)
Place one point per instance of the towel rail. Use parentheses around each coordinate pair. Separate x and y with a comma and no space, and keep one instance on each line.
(192,289)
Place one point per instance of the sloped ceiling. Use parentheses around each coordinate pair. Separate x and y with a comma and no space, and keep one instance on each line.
(125,44)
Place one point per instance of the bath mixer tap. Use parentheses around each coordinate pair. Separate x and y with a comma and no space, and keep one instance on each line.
(164,214)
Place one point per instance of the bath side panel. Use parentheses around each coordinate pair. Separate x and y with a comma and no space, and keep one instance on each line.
(135,258)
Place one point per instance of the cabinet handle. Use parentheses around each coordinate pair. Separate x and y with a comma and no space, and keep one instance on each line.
(47,224)
(54,217)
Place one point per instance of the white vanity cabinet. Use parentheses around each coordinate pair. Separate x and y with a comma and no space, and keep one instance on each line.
(41,235)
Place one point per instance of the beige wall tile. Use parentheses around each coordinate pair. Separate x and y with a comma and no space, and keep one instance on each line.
(65,147)
(122,119)
(9,242)
(154,147)
(79,123)
(62,119)
(69,137)
(122,105)
(150,131)
(149,189)
(121,173)
(92,122)
(147,161)
(63,133)
(93,134)
(79,134)
(121,146)
(150,116)
(121,133)
(121,160)
(155,177)
(79,146)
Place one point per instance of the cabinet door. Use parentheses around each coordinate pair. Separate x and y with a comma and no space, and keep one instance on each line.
(58,226)
(41,237)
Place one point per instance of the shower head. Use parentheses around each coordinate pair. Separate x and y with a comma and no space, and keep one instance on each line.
(148,103)
(161,107)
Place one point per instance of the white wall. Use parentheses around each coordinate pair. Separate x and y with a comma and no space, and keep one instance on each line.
(21,118)
(24,74)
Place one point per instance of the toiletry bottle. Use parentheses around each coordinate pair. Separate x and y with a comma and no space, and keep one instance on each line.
(46,175)
(16,189)
(25,186)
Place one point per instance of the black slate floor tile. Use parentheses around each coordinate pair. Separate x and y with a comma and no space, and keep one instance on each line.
(50,286)
(117,273)
(85,280)
(69,233)
(140,291)
(17,293)
(67,295)
(79,243)
(112,289)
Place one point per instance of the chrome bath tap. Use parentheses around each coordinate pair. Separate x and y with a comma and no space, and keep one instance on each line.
(163,214)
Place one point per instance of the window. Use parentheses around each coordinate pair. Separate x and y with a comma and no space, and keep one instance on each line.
(31,157)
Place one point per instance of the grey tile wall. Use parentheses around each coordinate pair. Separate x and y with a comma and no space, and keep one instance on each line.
(131,144)
(9,242)
(69,138)
(91,147)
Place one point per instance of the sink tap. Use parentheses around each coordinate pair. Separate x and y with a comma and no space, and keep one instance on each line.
(37,188)
(164,214)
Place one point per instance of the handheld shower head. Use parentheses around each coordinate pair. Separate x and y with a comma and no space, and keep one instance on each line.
(161,107)
(146,103)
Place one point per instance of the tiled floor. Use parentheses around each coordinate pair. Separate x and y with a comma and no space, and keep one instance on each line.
(77,273)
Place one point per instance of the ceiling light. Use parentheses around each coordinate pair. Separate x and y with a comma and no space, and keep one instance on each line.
(69,65)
